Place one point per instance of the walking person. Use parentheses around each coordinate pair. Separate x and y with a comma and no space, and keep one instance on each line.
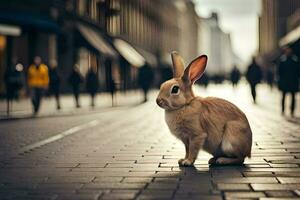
(112,90)
(14,82)
(38,81)
(270,77)
(288,77)
(92,84)
(254,76)
(76,79)
(54,84)
(235,76)
(145,79)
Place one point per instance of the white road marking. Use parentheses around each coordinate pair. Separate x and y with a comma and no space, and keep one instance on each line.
(59,136)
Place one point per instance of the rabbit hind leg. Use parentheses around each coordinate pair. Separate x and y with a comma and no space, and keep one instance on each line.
(232,145)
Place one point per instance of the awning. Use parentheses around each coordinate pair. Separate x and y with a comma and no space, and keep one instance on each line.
(129,53)
(291,37)
(10,30)
(29,20)
(149,57)
(94,40)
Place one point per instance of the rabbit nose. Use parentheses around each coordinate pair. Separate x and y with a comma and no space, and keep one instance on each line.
(159,101)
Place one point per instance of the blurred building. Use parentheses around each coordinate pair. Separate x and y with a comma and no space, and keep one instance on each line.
(293,21)
(147,29)
(217,45)
(114,36)
(188,30)
(292,37)
(273,24)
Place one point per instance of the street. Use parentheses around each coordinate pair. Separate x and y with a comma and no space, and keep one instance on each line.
(127,152)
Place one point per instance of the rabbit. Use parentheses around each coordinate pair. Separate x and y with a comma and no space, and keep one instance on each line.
(212,124)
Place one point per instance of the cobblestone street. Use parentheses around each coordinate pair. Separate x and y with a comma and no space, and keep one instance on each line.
(129,153)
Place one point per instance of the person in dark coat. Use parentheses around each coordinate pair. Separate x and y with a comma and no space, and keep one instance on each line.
(112,90)
(14,79)
(145,79)
(92,84)
(54,83)
(76,79)
(270,77)
(166,72)
(288,77)
(235,76)
(254,76)
(204,80)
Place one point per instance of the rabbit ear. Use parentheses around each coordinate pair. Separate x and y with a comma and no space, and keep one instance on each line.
(195,69)
(178,66)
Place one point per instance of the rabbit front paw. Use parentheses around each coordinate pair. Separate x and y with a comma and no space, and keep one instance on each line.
(185,162)
(212,161)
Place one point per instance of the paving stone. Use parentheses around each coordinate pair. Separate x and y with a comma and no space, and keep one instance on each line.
(108,179)
(263,187)
(78,197)
(69,179)
(246,180)
(156,194)
(242,195)
(283,165)
(289,180)
(166,180)
(280,194)
(115,185)
(137,180)
(258,174)
(59,186)
(120,196)
(197,197)
(162,186)
(233,186)
(287,174)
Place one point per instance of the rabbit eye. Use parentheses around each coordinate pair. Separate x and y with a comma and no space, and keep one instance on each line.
(175,89)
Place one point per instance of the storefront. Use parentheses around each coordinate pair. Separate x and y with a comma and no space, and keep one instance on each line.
(23,36)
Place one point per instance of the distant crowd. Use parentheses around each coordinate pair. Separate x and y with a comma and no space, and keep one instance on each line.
(42,79)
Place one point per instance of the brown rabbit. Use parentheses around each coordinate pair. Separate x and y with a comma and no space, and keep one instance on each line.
(214,124)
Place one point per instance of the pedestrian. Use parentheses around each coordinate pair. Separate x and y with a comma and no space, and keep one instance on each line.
(288,77)
(14,81)
(204,80)
(145,79)
(112,90)
(270,77)
(165,72)
(54,84)
(254,76)
(38,81)
(76,79)
(92,84)
(235,76)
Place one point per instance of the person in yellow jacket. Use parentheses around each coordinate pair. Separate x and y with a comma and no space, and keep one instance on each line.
(38,81)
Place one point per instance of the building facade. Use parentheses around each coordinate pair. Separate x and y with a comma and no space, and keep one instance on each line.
(273,23)
(97,34)
(217,45)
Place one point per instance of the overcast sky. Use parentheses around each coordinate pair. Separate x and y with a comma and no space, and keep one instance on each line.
(237,17)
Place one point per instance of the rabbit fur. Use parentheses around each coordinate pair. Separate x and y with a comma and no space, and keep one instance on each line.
(212,124)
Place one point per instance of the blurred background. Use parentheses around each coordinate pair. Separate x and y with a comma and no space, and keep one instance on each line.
(111,46)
